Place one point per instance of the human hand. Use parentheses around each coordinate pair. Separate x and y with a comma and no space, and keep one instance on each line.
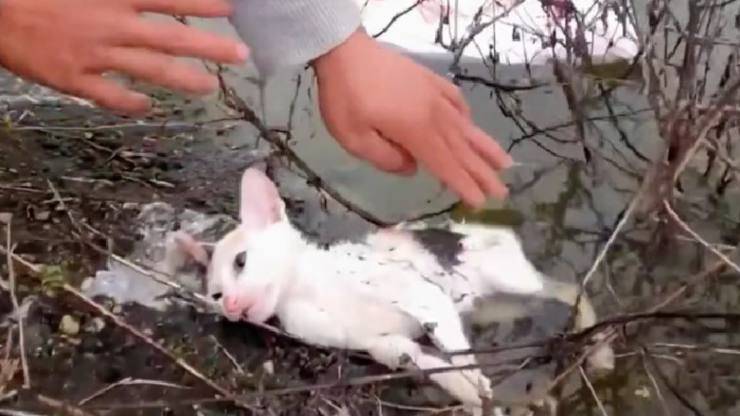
(386,109)
(68,44)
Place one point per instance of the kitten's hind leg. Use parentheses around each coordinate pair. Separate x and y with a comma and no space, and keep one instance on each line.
(602,358)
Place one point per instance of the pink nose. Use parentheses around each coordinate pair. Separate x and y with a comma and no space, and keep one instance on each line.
(233,304)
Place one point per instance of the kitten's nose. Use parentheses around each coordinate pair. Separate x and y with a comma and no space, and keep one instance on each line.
(232,304)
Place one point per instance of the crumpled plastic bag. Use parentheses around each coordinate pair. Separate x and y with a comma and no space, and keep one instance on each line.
(125,284)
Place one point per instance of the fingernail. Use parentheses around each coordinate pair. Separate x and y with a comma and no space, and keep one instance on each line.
(508,162)
(242,52)
(406,170)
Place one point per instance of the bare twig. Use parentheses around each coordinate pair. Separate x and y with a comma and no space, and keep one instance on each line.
(593,391)
(16,309)
(234,102)
(706,124)
(680,397)
(424,409)
(128,381)
(121,323)
(718,350)
(64,408)
(396,17)
(228,355)
(458,47)
(310,388)
(654,382)
(625,217)
(698,238)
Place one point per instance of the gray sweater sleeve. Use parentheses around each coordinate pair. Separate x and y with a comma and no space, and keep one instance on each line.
(283,33)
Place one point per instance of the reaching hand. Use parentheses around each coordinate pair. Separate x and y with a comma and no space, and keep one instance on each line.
(388,110)
(69,44)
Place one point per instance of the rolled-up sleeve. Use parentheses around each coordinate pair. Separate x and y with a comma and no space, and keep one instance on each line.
(286,33)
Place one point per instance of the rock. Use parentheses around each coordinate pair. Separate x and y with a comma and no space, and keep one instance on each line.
(95,325)
(269,367)
(42,215)
(69,325)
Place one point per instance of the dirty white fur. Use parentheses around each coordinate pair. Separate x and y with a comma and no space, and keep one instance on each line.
(378,296)
(492,260)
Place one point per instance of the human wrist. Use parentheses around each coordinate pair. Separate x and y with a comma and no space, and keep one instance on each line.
(299,30)
(347,51)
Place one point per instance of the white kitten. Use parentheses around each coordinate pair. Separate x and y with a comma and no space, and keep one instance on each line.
(379,295)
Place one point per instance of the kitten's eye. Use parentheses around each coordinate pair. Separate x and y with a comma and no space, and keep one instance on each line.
(240,260)
(216,296)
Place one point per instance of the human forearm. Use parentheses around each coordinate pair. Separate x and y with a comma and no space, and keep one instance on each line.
(283,33)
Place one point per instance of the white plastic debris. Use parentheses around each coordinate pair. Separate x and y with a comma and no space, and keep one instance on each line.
(125,284)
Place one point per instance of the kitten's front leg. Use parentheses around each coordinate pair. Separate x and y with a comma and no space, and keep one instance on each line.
(398,351)
(443,325)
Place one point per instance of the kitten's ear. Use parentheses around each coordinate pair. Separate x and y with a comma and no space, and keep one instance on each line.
(260,203)
(192,248)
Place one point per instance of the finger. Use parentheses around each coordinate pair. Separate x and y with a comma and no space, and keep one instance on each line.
(481,171)
(180,40)
(456,130)
(201,8)
(452,129)
(111,95)
(453,94)
(160,69)
(487,147)
(380,153)
(440,161)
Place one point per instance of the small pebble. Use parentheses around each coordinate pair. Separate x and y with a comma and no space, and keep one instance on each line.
(6,217)
(69,325)
(269,367)
(642,392)
(42,215)
(87,284)
(95,325)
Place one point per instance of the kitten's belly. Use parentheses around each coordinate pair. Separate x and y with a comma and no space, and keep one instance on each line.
(372,319)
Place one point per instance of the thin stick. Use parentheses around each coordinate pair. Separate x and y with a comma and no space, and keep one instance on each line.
(611,333)
(129,381)
(626,216)
(118,321)
(699,238)
(16,309)
(64,408)
(654,382)
(718,350)
(228,355)
(593,391)
(312,388)
(424,409)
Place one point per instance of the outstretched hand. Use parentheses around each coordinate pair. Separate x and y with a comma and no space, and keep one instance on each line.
(386,109)
(69,44)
